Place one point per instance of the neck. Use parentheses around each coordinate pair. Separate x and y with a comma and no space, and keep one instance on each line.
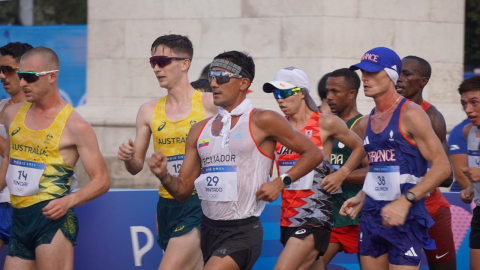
(417,98)
(302,116)
(349,112)
(181,92)
(324,107)
(230,107)
(49,101)
(17,98)
(386,100)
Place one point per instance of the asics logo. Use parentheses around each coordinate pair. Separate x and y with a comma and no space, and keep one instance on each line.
(162,125)
(15,131)
(302,231)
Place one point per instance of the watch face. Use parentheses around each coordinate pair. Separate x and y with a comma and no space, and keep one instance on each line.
(410,197)
(287,180)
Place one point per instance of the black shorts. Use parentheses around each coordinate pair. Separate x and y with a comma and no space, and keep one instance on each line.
(320,236)
(240,239)
(475,233)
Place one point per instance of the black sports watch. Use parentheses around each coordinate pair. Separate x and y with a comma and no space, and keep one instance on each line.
(286,179)
(410,197)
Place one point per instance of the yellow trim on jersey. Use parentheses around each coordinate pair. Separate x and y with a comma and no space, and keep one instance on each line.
(171,136)
(356,121)
(41,146)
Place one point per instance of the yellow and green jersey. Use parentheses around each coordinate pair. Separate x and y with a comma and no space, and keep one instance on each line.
(171,136)
(41,146)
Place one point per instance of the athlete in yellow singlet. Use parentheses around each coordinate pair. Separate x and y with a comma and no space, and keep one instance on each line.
(45,139)
(169,120)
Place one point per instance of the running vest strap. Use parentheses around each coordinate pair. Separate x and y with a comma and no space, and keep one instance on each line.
(312,206)
(5,193)
(434,200)
(340,155)
(232,175)
(474,159)
(171,136)
(396,164)
(42,147)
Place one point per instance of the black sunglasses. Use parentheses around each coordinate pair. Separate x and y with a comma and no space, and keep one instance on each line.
(31,77)
(163,61)
(7,69)
(221,76)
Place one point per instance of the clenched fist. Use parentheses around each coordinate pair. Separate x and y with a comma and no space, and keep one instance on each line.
(126,151)
(158,164)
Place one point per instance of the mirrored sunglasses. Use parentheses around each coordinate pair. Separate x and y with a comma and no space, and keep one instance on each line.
(285,93)
(221,76)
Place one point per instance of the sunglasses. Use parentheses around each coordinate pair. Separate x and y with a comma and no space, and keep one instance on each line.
(7,69)
(285,93)
(221,76)
(163,61)
(31,77)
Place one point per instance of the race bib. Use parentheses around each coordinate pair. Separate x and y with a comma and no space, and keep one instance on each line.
(174,164)
(474,159)
(304,183)
(383,183)
(23,177)
(336,168)
(218,183)
(5,195)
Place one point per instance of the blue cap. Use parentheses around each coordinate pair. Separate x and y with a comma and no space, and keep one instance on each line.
(379,58)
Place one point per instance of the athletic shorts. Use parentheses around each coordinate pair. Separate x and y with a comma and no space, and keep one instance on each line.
(240,239)
(442,233)
(402,243)
(321,237)
(475,233)
(347,237)
(5,221)
(30,228)
(176,218)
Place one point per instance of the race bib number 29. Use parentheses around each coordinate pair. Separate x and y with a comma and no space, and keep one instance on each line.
(218,183)
(23,177)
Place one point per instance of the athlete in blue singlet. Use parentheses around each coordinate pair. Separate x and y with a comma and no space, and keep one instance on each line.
(399,141)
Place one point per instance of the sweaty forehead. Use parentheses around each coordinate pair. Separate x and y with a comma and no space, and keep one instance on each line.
(336,81)
(411,64)
(32,63)
(471,95)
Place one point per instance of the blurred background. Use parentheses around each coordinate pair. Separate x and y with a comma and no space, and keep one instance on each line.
(104,46)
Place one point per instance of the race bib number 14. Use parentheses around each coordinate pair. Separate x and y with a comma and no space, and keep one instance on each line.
(23,177)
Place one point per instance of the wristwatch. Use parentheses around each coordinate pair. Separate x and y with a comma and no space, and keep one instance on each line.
(410,197)
(286,179)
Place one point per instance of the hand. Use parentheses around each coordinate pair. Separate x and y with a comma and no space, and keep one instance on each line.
(395,213)
(331,183)
(270,191)
(57,208)
(472,173)
(352,207)
(466,195)
(126,151)
(158,165)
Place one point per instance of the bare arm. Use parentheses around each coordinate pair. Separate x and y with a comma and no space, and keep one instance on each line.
(180,187)
(440,129)
(133,153)
(358,176)
(460,161)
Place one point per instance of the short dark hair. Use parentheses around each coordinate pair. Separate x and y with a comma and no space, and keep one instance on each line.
(470,84)
(242,59)
(50,58)
(177,43)
(15,50)
(351,77)
(425,68)
(322,91)
(201,84)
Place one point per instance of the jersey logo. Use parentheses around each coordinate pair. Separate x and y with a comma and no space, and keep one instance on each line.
(365,142)
(203,143)
(308,133)
(48,138)
(238,136)
(162,125)
(454,147)
(179,228)
(391,136)
(341,145)
(302,231)
(441,256)
(192,122)
(361,237)
(15,131)
(394,67)
(411,253)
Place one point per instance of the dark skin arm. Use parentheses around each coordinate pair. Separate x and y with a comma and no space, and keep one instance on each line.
(440,129)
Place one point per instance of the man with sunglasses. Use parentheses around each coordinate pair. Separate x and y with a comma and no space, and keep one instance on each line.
(228,160)
(307,218)
(413,78)
(10,55)
(169,120)
(399,141)
(46,138)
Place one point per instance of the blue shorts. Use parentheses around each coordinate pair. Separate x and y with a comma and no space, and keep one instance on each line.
(5,222)
(402,243)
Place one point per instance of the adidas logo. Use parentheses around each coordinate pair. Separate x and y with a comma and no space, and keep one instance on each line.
(394,67)
(365,141)
(238,136)
(411,253)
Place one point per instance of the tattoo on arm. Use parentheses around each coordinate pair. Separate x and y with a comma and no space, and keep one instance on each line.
(171,184)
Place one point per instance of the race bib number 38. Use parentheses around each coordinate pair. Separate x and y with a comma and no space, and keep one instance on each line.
(383,183)
(218,183)
(23,177)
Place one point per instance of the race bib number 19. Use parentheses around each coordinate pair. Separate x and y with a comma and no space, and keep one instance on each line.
(383,183)
(174,164)
(218,183)
(23,177)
